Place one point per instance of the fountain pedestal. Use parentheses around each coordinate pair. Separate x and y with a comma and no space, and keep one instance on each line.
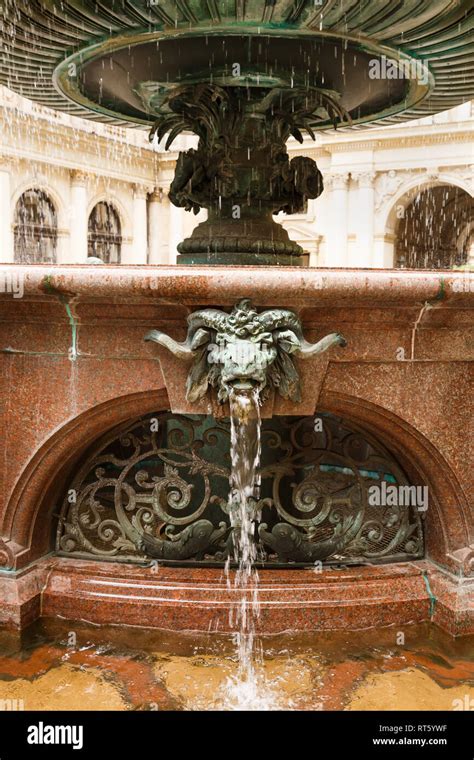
(240,170)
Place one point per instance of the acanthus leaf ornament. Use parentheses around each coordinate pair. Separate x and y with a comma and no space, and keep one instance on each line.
(240,170)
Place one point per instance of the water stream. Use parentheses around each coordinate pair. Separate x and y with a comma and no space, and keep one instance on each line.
(247,690)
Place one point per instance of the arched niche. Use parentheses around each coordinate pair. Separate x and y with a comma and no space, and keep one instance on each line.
(429,235)
(31,517)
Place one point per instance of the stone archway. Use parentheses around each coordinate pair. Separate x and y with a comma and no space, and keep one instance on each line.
(429,235)
(25,534)
(59,586)
(27,525)
(402,194)
(448,524)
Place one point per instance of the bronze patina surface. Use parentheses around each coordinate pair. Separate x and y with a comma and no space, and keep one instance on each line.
(244,350)
(125,52)
(244,77)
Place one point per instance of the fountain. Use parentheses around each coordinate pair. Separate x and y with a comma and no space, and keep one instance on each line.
(244,355)
(244,78)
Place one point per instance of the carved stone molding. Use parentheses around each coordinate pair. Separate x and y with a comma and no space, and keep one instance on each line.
(6,163)
(464,174)
(365,179)
(337,181)
(432,174)
(79,177)
(140,192)
(386,185)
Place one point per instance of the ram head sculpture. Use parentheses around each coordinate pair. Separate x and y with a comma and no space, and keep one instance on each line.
(244,350)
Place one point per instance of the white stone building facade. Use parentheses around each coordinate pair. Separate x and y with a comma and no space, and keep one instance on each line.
(371,178)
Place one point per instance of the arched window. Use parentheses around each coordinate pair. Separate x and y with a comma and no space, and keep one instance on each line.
(35,228)
(104,233)
(431,233)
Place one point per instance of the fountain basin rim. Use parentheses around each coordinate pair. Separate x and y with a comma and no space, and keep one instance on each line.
(68,87)
(198,285)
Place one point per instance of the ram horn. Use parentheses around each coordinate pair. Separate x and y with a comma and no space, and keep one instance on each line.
(272,319)
(311,349)
(181,350)
(214,319)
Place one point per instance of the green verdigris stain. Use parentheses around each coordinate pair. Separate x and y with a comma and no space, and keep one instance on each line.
(50,289)
(430,594)
(442,290)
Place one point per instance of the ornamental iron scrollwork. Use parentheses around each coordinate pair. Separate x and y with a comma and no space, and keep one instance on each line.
(158,488)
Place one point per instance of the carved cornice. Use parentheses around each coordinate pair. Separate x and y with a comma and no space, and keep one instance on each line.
(353,145)
(79,134)
(68,142)
(402,138)
(309,150)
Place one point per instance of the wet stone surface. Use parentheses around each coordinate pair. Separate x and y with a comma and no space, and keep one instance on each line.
(55,665)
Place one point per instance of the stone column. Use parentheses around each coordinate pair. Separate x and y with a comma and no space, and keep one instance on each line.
(158,227)
(139,245)
(175,231)
(364,256)
(314,258)
(336,250)
(77,253)
(6,213)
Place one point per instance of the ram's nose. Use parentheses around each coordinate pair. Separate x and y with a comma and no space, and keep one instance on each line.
(244,384)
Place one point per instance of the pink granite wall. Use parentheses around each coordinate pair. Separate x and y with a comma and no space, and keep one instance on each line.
(410,387)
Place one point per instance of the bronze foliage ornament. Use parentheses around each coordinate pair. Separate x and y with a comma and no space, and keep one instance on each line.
(241,171)
(244,350)
(229,122)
